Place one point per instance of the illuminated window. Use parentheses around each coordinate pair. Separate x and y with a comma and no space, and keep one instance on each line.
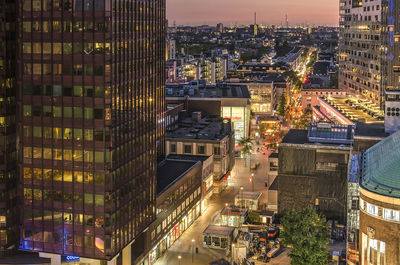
(372,209)
(391,215)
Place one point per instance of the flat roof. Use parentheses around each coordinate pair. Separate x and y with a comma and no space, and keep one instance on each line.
(295,136)
(355,109)
(219,230)
(234,211)
(205,129)
(187,157)
(248,195)
(376,130)
(208,91)
(170,171)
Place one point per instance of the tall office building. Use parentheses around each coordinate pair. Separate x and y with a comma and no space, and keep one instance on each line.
(360,48)
(9,234)
(391,81)
(91,80)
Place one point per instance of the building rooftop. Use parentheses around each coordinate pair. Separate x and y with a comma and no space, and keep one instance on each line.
(376,130)
(321,133)
(199,90)
(261,78)
(249,195)
(234,211)
(380,167)
(295,136)
(329,133)
(321,68)
(205,129)
(187,157)
(262,67)
(170,171)
(219,230)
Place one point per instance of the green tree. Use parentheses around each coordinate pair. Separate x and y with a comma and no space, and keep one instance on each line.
(306,233)
(293,78)
(305,119)
(282,106)
(247,147)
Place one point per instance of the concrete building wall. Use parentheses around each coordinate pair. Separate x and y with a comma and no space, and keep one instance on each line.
(307,174)
(376,230)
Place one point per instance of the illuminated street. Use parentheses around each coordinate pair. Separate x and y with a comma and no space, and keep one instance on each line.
(240,178)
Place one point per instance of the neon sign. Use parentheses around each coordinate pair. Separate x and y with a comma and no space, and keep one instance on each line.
(71,258)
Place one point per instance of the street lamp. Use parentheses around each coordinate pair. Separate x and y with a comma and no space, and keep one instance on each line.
(192,250)
(252,181)
(179,259)
(241,191)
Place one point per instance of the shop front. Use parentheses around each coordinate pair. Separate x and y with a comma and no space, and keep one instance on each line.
(174,233)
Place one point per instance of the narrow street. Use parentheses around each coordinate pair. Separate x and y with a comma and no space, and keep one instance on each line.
(240,178)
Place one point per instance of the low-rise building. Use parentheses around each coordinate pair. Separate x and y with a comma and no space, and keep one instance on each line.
(228,101)
(313,169)
(233,216)
(207,186)
(265,91)
(205,137)
(249,200)
(218,237)
(178,205)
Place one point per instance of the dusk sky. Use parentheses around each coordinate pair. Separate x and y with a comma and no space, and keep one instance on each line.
(197,12)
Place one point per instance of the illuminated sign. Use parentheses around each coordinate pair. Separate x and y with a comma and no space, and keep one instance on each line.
(71,258)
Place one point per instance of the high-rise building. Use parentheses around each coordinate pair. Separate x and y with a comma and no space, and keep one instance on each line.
(220,27)
(360,48)
(391,82)
(91,80)
(9,227)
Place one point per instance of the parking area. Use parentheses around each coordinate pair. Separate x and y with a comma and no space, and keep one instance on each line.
(355,109)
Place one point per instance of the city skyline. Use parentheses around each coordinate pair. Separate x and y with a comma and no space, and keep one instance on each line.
(324,12)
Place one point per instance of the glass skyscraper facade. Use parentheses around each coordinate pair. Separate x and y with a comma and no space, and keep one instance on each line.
(91,84)
(9,235)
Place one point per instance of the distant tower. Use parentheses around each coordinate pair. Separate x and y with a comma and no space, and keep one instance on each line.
(254,27)
(287,22)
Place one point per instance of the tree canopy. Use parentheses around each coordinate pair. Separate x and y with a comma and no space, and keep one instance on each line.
(282,106)
(306,232)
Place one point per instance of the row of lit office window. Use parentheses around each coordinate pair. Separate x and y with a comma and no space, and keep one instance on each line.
(66,112)
(66,91)
(66,133)
(66,48)
(66,197)
(66,218)
(66,176)
(66,26)
(67,154)
(66,69)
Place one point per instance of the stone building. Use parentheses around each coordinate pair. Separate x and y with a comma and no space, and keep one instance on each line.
(380,203)
(312,169)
